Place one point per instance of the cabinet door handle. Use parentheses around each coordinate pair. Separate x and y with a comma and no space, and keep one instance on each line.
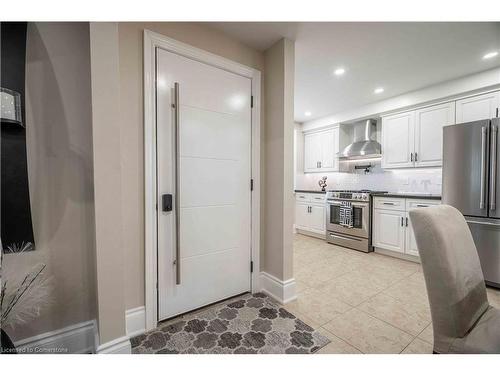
(416,156)
(388,203)
(320,164)
(406,221)
(411,156)
(402,221)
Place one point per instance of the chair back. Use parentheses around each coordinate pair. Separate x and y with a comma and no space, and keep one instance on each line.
(452,271)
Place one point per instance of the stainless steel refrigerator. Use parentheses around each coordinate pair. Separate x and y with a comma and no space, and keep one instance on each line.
(471,183)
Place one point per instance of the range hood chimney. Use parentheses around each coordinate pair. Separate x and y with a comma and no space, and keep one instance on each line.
(364,145)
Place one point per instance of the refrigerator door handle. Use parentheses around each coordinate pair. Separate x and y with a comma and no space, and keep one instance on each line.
(493,173)
(483,168)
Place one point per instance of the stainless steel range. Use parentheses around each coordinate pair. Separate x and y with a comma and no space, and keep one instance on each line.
(348,218)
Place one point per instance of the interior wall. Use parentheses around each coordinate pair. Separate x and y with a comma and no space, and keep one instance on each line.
(132,128)
(104,64)
(59,140)
(416,180)
(278,212)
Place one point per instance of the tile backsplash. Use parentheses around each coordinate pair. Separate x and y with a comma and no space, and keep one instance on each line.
(424,180)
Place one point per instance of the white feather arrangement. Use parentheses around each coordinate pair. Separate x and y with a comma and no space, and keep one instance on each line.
(22,298)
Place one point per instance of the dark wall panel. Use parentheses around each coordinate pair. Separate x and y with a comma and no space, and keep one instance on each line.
(16,224)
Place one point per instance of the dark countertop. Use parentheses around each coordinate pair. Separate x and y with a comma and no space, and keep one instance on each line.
(310,191)
(408,195)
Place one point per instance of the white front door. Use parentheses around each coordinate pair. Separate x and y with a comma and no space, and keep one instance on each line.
(213,156)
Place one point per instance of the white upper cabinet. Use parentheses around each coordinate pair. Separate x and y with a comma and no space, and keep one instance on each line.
(415,138)
(320,150)
(312,152)
(429,124)
(478,107)
(398,140)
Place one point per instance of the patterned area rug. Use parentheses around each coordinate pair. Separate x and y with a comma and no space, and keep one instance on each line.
(248,324)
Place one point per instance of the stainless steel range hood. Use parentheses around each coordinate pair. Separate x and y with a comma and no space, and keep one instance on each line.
(364,145)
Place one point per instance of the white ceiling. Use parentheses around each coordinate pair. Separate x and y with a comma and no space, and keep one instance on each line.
(400,57)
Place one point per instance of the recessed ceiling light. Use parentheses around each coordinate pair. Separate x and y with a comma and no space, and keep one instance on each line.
(339,71)
(307,113)
(378,90)
(490,55)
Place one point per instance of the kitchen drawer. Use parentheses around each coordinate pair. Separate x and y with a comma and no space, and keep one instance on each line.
(387,203)
(318,198)
(418,203)
(302,197)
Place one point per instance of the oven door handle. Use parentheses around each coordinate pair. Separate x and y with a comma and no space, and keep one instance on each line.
(333,203)
(344,237)
(362,205)
(354,204)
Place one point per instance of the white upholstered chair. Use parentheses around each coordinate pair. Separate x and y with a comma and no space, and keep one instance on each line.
(463,321)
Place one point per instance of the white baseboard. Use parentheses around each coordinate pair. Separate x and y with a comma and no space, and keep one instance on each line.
(395,254)
(120,345)
(135,321)
(281,291)
(321,236)
(77,338)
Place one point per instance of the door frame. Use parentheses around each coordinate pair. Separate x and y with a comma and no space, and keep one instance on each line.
(153,40)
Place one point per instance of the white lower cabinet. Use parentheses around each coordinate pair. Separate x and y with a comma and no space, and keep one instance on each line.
(388,231)
(392,229)
(317,218)
(411,244)
(310,213)
(301,215)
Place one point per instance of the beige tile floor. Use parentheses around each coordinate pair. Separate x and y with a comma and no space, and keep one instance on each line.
(365,303)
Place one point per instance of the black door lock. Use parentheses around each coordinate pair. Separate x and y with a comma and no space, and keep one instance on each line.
(166,202)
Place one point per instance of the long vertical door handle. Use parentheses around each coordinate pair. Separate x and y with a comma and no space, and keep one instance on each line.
(177,260)
(493,173)
(483,168)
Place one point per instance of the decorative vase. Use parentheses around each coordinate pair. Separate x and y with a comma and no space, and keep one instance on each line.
(6,344)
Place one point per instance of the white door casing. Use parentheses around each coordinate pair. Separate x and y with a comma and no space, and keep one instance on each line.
(152,41)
